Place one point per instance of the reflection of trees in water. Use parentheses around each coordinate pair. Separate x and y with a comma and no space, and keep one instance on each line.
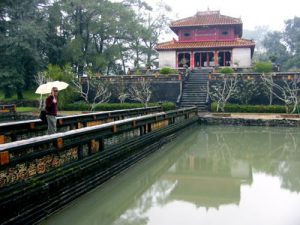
(154,196)
(220,153)
(270,150)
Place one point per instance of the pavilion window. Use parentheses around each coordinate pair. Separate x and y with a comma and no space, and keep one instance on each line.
(184,59)
(211,61)
(224,58)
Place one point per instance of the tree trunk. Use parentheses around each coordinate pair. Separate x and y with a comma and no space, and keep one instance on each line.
(20,94)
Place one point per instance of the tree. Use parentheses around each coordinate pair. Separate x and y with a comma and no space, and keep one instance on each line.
(222,90)
(276,48)
(57,35)
(155,25)
(78,19)
(141,91)
(287,90)
(250,90)
(145,35)
(85,86)
(284,47)
(292,38)
(41,78)
(55,72)
(22,43)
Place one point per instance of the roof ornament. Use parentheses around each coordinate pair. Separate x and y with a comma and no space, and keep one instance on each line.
(208,12)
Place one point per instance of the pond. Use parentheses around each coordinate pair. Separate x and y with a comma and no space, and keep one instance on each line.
(209,175)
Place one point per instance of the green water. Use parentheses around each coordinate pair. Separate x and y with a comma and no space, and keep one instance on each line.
(209,175)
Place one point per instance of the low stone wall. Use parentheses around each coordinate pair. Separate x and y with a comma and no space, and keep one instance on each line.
(215,120)
(39,175)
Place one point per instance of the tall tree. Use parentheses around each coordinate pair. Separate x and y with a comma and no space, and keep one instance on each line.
(276,49)
(22,43)
(284,47)
(56,35)
(156,23)
(292,39)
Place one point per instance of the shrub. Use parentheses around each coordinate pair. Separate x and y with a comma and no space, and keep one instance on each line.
(235,108)
(226,70)
(168,70)
(82,106)
(263,67)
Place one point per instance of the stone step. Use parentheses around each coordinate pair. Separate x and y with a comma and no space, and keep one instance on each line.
(195,90)
(194,93)
(193,103)
(193,97)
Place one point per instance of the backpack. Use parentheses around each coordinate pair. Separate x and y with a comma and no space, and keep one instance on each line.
(43,116)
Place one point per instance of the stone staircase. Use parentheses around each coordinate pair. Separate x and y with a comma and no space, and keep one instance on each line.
(194,91)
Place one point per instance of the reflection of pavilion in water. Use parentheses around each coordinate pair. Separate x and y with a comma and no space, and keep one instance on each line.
(208,182)
(208,176)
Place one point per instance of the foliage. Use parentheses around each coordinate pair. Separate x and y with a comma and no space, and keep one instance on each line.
(168,70)
(26,109)
(91,34)
(258,34)
(116,106)
(28,95)
(22,35)
(250,90)
(55,72)
(276,49)
(226,70)
(263,67)
(284,47)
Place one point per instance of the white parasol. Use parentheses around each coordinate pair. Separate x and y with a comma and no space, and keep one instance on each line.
(46,88)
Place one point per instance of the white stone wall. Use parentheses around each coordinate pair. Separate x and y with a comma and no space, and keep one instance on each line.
(242,56)
(167,59)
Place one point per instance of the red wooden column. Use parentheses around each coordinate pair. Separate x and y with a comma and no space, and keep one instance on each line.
(216,57)
(207,59)
(192,58)
(176,59)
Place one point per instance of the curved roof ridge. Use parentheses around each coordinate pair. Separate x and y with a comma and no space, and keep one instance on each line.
(239,42)
(206,18)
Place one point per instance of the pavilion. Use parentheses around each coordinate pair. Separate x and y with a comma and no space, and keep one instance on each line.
(207,39)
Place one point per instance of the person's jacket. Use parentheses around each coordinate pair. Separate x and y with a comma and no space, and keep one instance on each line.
(51,107)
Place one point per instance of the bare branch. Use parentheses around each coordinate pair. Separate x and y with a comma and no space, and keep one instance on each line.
(141,91)
(223,90)
(288,92)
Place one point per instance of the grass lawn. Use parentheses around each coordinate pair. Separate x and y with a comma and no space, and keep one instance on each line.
(27,109)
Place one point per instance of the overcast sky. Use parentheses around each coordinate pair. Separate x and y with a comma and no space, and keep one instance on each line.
(253,13)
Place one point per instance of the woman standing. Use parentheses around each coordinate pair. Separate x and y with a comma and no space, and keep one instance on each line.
(51,110)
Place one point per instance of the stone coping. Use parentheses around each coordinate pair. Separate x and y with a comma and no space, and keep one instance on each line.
(264,116)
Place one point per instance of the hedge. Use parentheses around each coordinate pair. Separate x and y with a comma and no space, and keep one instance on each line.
(115,106)
(251,108)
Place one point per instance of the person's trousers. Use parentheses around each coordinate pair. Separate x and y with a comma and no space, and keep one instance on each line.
(51,120)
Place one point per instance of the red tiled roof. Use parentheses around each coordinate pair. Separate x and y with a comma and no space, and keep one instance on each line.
(173,45)
(206,19)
